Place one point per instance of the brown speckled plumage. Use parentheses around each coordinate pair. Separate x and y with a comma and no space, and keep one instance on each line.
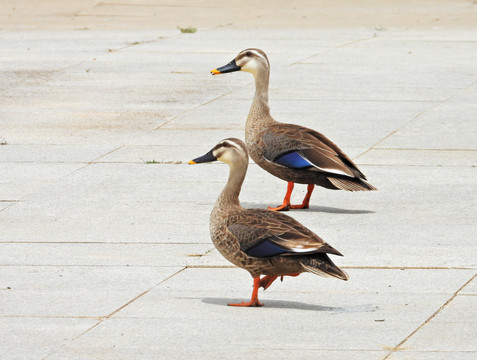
(236,231)
(267,139)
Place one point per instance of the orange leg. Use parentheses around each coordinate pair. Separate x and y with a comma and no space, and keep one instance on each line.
(295,274)
(254,300)
(286,201)
(306,200)
(267,280)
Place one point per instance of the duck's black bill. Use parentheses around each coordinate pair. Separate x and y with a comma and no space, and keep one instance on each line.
(204,158)
(230,67)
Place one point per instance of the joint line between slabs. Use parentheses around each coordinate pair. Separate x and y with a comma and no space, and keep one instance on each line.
(351,42)
(18,201)
(193,108)
(161,125)
(101,156)
(192,266)
(398,346)
(373,147)
(102,318)
(115,50)
(8,206)
(91,162)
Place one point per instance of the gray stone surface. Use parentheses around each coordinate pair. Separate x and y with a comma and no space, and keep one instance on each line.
(323,310)
(104,241)
(37,337)
(74,291)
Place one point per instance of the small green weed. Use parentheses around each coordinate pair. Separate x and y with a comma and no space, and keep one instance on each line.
(187,30)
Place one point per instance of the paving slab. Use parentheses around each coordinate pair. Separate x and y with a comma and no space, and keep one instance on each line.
(36,338)
(432,337)
(53,153)
(438,355)
(470,289)
(447,126)
(100,254)
(303,305)
(420,157)
(74,291)
(19,180)
(178,136)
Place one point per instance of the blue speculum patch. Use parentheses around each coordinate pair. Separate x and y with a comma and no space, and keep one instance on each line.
(293,160)
(266,249)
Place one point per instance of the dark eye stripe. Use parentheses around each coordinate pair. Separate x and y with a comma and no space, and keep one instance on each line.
(253,53)
(223,145)
(230,143)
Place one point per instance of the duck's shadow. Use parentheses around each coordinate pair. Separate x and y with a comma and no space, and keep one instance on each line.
(280,304)
(323,209)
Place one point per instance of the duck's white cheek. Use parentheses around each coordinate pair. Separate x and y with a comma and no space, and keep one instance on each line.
(226,158)
(251,67)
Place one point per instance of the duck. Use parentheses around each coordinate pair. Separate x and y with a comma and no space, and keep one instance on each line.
(293,153)
(268,244)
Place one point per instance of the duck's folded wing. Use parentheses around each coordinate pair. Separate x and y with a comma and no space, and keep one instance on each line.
(298,147)
(265,236)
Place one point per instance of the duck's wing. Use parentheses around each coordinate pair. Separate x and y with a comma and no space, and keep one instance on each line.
(298,147)
(265,233)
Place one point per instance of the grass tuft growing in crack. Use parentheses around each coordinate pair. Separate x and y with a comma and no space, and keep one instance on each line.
(187,30)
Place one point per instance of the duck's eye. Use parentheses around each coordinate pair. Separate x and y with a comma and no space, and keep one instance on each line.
(249,54)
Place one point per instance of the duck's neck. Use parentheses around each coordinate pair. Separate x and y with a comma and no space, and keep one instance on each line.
(229,197)
(261,88)
(259,115)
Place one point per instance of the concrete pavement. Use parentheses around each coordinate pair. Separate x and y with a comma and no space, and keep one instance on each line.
(104,244)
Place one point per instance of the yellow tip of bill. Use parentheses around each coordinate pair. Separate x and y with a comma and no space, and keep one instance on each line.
(215,72)
(192,162)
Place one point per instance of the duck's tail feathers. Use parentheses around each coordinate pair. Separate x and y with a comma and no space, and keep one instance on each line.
(351,184)
(323,266)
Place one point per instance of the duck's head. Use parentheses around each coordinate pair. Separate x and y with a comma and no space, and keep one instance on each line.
(250,60)
(230,151)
